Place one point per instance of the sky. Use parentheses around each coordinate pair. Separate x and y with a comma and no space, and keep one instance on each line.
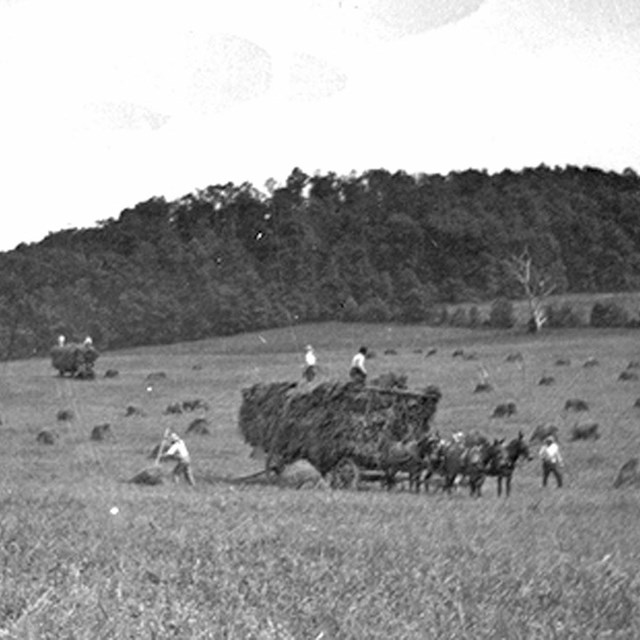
(108,103)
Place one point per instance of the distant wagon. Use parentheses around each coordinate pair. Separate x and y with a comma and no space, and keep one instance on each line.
(341,428)
(75,360)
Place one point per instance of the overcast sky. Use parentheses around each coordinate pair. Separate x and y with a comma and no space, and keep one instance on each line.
(106,104)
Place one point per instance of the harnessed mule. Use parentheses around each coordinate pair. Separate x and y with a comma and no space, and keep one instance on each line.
(469,461)
(411,456)
(503,459)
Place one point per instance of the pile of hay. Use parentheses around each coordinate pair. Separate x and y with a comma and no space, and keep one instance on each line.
(76,360)
(332,420)
(505,410)
(575,404)
(543,431)
(174,408)
(155,376)
(132,410)
(628,474)
(150,476)
(195,404)
(199,427)
(101,432)
(47,437)
(65,414)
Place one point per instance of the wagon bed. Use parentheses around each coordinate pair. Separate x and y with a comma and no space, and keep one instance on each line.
(338,427)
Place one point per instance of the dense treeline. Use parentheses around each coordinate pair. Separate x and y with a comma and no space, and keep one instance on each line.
(376,246)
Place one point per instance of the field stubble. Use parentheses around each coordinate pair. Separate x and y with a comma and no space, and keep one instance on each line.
(229,560)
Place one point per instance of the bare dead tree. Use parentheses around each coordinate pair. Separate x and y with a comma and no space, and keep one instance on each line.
(535,284)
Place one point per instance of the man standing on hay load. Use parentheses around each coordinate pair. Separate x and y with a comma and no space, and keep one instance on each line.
(177,451)
(310,364)
(358,373)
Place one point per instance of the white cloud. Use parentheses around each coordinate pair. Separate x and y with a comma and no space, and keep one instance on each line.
(108,104)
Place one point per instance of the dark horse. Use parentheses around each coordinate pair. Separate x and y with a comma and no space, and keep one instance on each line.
(469,460)
(503,459)
(411,456)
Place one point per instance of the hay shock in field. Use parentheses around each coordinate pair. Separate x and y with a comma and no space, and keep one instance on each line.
(333,421)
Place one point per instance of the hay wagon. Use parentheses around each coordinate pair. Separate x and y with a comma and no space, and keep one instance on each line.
(339,427)
(75,360)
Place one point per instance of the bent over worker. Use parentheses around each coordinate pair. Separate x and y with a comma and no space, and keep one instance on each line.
(177,451)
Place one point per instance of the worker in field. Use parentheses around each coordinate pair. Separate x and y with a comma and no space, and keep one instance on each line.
(551,461)
(358,372)
(177,450)
(310,364)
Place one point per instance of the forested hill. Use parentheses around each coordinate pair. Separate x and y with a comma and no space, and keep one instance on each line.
(376,246)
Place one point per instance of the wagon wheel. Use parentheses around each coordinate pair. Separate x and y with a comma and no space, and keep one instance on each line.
(272,466)
(345,475)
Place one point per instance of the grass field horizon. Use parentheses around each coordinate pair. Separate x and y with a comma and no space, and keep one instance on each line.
(235,560)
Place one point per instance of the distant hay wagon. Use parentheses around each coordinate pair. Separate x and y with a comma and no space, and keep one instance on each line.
(75,360)
(341,428)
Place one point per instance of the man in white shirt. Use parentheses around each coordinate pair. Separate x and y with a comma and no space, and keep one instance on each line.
(310,362)
(551,461)
(177,450)
(358,372)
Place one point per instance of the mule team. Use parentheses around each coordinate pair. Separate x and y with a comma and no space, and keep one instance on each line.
(465,458)
(469,458)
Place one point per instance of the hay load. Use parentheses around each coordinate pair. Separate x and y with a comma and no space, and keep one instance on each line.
(332,421)
(75,360)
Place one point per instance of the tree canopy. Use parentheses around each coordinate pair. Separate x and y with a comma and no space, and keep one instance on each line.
(378,246)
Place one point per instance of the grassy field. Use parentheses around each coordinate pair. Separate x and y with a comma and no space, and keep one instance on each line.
(234,560)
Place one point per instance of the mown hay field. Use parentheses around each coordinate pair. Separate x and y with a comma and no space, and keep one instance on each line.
(84,554)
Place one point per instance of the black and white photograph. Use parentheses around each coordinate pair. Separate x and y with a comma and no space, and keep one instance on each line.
(320,319)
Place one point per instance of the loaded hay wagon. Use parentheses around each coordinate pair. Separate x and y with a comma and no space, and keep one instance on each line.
(75,360)
(342,428)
